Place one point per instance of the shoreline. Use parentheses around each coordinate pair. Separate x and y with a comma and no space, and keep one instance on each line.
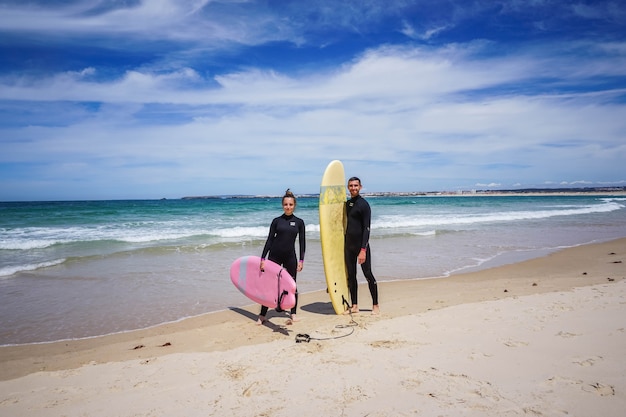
(563,270)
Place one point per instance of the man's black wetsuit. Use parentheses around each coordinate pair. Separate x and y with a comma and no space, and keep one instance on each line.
(357,237)
(281,247)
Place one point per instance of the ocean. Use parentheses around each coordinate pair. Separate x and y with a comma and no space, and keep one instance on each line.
(81,269)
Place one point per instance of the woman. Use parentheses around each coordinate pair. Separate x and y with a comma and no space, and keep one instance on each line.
(280,245)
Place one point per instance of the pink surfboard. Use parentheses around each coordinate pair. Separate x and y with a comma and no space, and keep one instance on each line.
(273,287)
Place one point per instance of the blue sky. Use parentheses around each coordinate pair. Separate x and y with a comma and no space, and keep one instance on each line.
(172,98)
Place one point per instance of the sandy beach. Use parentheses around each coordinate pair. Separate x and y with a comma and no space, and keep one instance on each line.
(544,337)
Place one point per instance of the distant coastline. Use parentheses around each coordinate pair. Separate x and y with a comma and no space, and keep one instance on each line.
(515,192)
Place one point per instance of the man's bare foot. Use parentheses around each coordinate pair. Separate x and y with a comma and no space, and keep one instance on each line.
(260,320)
(352,310)
(375,310)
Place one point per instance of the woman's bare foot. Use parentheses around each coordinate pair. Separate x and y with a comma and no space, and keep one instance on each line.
(292,320)
(260,320)
(375,310)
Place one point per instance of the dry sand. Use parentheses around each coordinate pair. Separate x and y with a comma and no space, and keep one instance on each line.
(545,337)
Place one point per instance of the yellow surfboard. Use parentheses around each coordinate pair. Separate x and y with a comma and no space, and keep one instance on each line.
(332,227)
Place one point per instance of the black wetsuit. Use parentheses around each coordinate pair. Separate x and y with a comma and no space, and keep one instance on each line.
(281,247)
(357,237)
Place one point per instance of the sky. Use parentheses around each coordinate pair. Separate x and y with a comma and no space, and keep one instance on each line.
(148,99)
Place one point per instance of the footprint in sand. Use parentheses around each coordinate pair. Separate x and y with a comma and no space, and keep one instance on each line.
(588,362)
(388,344)
(514,343)
(567,335)
(560,381)
(593,388)
(600,389)
(479,355)
(249,390)
(234,372)
(9,401)
(355,393)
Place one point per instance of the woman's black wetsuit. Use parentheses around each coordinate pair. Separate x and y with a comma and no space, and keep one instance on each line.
(281,247)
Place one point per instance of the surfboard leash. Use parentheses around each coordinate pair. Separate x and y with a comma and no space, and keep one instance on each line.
(349,310)
(305,338)
(280,295)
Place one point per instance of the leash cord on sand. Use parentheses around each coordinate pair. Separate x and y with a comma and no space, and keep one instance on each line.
(303,337)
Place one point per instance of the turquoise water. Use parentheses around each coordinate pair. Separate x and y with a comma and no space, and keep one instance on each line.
(81,269)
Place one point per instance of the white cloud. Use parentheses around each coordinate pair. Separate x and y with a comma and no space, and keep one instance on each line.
(411,32)
(391,106)
(94,16)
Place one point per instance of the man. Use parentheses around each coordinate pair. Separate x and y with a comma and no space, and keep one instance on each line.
(357,248)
